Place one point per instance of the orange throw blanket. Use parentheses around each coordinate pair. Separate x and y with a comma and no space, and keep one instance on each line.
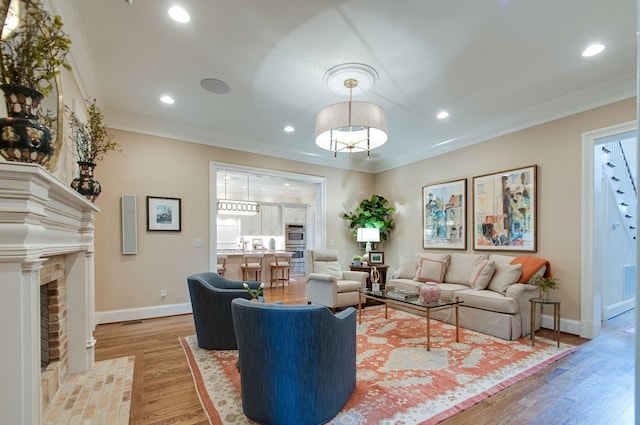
(530,265)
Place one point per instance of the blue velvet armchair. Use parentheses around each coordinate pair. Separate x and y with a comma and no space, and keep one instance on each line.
(297,362)
(211,296)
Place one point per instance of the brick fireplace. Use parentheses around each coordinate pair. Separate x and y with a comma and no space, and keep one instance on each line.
(46,233)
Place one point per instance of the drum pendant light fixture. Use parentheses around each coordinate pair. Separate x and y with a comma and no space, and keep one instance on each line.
(351,126)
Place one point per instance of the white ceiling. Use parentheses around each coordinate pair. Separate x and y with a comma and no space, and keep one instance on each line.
(496,65)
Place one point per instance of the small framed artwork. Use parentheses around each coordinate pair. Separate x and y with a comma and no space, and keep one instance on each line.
(504,210)
(376,257)
(444,215)
(164,214)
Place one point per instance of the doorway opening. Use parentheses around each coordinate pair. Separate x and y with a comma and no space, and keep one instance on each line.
(270,188)
(596,225)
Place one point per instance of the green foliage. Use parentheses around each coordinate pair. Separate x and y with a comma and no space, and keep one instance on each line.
(31,54)
(545,283)
(255,293)
(91,139)
(357,257)
(372,213)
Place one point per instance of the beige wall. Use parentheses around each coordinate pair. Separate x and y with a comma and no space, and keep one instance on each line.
(556,148)
(162,167)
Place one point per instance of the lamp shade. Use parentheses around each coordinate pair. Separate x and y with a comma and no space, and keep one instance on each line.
(368,234)
(364,129)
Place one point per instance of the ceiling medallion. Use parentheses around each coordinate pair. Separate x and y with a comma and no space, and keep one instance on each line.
(351,126)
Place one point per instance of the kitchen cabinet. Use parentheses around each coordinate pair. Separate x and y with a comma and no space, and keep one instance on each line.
(271,225)
(265,223)
(295,215)
(251,225)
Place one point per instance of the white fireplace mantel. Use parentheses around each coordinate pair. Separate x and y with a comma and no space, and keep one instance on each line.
(40,216)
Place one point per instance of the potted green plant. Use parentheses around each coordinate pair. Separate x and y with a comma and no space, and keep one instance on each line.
(255,293)
(372,212)
(545,283)
(357,260)
(32,52)
(91,142)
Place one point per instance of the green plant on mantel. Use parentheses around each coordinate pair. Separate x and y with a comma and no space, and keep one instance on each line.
(32,53)
(372,212)
(91,139)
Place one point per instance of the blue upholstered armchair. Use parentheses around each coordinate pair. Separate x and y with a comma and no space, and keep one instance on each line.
(297,362)
(211,296)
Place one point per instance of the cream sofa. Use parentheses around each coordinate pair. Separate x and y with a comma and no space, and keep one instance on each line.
(495,302)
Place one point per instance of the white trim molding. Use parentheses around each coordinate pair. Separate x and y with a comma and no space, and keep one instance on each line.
(591,289)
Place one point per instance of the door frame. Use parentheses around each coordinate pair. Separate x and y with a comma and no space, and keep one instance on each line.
(213,196)
(591,287)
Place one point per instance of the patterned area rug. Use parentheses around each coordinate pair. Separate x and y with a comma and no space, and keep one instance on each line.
(398,380)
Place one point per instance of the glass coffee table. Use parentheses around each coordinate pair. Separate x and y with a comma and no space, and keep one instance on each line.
(406,300)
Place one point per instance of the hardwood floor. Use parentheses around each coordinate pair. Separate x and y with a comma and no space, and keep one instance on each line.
(594,385)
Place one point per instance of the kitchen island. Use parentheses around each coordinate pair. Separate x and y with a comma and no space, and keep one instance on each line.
(234,260)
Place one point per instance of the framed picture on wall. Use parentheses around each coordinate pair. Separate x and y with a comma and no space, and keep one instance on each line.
(376,257)
(164,214)
(444,215)
(504,210)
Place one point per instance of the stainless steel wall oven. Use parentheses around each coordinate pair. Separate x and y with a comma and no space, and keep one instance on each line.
(295,234)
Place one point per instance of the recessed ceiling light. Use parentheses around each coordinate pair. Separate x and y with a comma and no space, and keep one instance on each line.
(442,115)
(178,14)
(287,184)
(167,99)
(289,129)
(592,50)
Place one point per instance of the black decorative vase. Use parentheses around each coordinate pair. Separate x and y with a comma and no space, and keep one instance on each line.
(22,137)
(85,184)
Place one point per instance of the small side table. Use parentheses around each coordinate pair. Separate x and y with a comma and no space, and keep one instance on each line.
(556,317)
(382,268)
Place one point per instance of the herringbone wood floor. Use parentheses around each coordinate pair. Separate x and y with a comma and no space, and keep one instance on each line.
(592,386)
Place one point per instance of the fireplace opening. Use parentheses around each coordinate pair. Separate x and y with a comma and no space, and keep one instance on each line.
(44,327)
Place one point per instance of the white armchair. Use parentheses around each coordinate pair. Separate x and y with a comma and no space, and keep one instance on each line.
(327,283)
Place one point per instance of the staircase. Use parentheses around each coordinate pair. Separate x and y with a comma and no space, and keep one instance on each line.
(621,181)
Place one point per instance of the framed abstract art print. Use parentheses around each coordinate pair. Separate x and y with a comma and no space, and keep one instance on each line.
(444,212)
(504,210)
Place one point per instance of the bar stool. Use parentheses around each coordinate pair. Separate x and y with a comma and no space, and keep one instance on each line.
(251,263)
(222,264)
(280,268)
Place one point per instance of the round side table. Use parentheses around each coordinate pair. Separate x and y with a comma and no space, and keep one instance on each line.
(556,317)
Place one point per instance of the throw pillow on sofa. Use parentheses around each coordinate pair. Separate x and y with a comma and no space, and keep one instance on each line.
(461,267)
(482,275)
(408,265)
(505,275)
(431,270)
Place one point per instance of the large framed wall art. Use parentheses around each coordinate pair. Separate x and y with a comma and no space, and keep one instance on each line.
(444,215)
(164,214)
(504,210)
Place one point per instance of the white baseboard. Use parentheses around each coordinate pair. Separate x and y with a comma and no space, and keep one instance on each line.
(618,308)
(566,325)
(126,315)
